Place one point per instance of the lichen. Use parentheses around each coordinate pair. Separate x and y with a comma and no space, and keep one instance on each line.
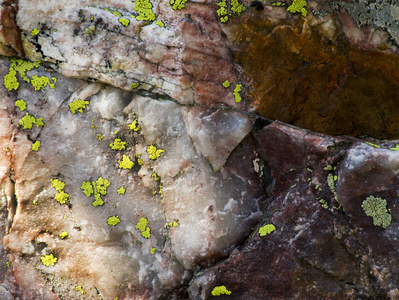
(222,11)
(144,9)
(172,224)
(278,3)
(100,188)
(99,137)
(11,81)
(236,93)
(376,208)
(21,104)
(114,12)
(144,229)
(90,30)
(125,163)
(152,250)
(160,23)
(373,145)
(220,290)
(121,190)
(35,32)
(267,229)
(177,4)
(396,148)
(237,8)
(113,221)
(49,260)
(226,84)
(61,197)
(135,85)
(57,184)
(36,146)
(78,106)
(80,289)
(298,6)
(134,126)
(87,188)
(27,121)
(41,82)
(20,66)
(39,122)
(118,145)
(153,152)
(125,22)
(63,235)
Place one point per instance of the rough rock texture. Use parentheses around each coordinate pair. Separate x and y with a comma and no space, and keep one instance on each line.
(196,156)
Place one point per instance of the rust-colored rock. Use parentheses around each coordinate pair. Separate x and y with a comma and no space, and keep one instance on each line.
(10,35)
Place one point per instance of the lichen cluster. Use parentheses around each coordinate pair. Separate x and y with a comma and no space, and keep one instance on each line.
(144,229)
(98,188)
(59,186)
(376,208)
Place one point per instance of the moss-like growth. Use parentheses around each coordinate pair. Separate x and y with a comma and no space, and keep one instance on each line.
(21,104)
(113,221)
(267,229)
(220,290)
(376,208)
(49,260)
(144,9)
(118,145)
(153,152)
(78,106)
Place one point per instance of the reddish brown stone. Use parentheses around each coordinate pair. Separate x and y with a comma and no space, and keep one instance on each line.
(10,35)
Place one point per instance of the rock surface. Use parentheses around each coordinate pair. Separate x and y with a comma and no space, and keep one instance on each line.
(168,174)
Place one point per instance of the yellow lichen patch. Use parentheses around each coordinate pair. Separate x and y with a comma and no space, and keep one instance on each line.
(152,250)
(27,121)
(114,12)
(142,226)
(41,82)
(121,190)
(267,229)
(78,106)
(237,8)
(125,22)
(226,84)
(153,152)
(160,23)
(61,197)
(113,221)
(21,104)
(11,81)
(39,122)
(236,93)
(80,289)
(177,4)
(144,9)
(135,85)
(298,6)
(87,188)
(20,66)
(125,163)
(278,3)
(220,290)
(90,30)
(222,11)
(172,224)
(99,137)
(396,148)
(139,160)
(118,145)
(35,202)
(35,32)
(36,146)
(63,235)
(373,145)
(48,260)
(97,188)
(155,176)
(57,184)
(134,126)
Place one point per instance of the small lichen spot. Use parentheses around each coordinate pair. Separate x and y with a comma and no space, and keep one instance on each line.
(35,32)
(125,22)
(27,121)
(144,9)
(153,152)
(80,289)
(63,235)
(121,190)
(113,221)
(298,6)
(78,106)
(160,23)
(177,4)
(134,126)
(135,85)
(118,145)
(57,184)
(61,197)
(36,146)
(226,84)
(125,163)
(21,104)
(49,260)
(236,93)
(220,290)
(267,229)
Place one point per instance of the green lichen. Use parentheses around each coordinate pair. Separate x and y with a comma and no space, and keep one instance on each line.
(87,188)
(36,146)
(376,208)
(98,201)
(172,224)
(267,229)
(35,32)
(39,122)
(373,145)
(61,197)
(152,250)
(113,221)
(177,4)
(160,23)
(35,202)
(278,3)
(153,152)
(331,185)
(323,203)
(125,163)
(226,84)
(236,93)
(78,106)
(99,137)
(57,184)
(237,8)
(220,290)
(396,148)
(118,145)
(125,22)
(49,260)
(100,188)
(63,235)
(21,104)
(121,190)
(27,121)
(114,12)
(20,66)
(135,85)
(134,126)
(144,9)
(222,11)
(298,6)
(144,229)
(80,289)
(41,82)
(11,81)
